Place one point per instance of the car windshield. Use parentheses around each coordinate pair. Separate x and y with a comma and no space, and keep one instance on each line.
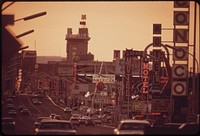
(55,125)
(133,126)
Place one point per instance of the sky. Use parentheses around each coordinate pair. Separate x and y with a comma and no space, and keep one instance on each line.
(111,25)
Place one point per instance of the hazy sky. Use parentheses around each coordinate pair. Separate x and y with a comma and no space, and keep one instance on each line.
(111,25)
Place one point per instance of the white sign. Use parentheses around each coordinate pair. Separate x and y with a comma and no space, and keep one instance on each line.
(160,105)
(181,55)
(105,78)
(179,88)
(179,71)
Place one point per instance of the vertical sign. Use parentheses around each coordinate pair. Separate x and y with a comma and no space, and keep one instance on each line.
(116,54)
(145,76)
(128,73)
(180,35)
(75,69)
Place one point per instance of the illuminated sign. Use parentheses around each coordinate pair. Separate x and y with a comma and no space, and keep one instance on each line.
(145,77)
(160,105)
(181,35)
(179,88)
(181,4)
(128,73)
(156,41)
(181,55)
(181,17)
(156,28)
(105,78)
(29,54)
(75,71)
(179,71)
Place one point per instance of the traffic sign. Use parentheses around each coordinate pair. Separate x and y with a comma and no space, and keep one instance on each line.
(179,88)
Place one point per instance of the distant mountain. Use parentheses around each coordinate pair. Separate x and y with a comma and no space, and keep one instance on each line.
(45,59)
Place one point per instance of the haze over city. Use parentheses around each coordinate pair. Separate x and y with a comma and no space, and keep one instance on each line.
(111,25)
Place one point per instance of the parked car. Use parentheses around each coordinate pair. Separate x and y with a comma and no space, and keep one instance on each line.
(20,107)
(131,127)
(189,128)
(8,123)
(25,111)
(97,121)
(36,101)
(67,110)
(38,120)
(10,101)
(52,115)
(58,117)
(83,119)
(12,112)
(75,121)
(76,115)
(89,122)
(10,106)
(55,127)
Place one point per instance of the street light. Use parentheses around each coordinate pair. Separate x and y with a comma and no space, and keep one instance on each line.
(31,16)
(25,33)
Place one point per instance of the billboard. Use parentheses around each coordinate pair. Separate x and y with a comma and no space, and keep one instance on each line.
(105,78)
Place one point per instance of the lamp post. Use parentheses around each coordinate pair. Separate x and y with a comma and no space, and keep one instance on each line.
(31,16)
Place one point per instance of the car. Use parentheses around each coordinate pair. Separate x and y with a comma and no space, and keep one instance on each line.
(97,121)
(38,120)
(131,126)
(75,121)
(8,123)
(76,115)
(58,117)
(83,119)
(139,117)
(10,106)
(55,127)
(20,107)
(25,111)
(67,110)
(89,122)
(12,112)
(191,128)
(52,115)
(10,101)
(36,101)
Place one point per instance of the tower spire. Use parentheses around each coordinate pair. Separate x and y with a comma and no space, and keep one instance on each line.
(83,21)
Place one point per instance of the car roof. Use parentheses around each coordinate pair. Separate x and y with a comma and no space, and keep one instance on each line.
(53,120)
(7,118)
(134,121)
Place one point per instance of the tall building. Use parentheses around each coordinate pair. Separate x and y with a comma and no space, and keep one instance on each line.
(77,44)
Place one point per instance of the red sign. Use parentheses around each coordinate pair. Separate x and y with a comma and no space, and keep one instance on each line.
(145,77)
(128,73)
